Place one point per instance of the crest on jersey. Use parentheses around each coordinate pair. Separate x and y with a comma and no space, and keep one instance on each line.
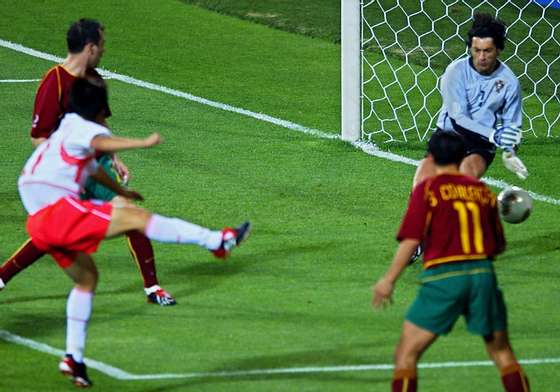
(499,85)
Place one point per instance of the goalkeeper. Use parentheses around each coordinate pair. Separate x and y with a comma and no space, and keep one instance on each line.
(481,101)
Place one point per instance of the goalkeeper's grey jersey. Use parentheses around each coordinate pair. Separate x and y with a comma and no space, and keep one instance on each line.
(476,102)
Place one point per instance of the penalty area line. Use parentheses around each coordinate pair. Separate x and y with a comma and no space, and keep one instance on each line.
(367,147)
(120,374)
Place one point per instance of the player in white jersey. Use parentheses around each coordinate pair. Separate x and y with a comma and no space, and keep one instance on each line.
(482,101)
(60,166)
(70,229)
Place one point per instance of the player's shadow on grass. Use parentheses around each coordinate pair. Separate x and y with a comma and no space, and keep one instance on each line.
(533,248)
(203,276)
(34,298)
(371,379)
(34,325)
(64,296)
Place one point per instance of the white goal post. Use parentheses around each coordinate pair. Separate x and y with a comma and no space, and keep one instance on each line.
(394,52)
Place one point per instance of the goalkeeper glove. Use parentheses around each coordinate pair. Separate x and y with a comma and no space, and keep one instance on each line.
(514,164)
(506,137)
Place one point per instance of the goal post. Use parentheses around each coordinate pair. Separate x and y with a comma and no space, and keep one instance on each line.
(394,52)
(351,16)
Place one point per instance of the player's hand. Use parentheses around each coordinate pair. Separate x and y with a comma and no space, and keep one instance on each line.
(506,137)
(514,164)
(132,195)
(153,139)
(382,293)
(122,170)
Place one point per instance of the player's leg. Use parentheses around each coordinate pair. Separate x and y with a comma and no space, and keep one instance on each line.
(125,218)
(413,343)
(487,317)
(426,169)
(480,155)
(473,165)
(78,311)
(26,255)
(140,246)
(500,351)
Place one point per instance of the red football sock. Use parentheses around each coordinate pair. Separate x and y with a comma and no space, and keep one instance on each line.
(514,379)
(26,255)
(404,380)
(143,253)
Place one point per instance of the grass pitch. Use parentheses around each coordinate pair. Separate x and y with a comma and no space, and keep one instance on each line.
(297,293)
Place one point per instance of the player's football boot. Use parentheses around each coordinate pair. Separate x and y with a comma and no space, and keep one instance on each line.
(2,285)
(75,371)
(232,238)
(157,295)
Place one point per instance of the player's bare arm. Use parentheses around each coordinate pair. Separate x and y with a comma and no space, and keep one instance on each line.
(383,289)
(114,143)
(104,179)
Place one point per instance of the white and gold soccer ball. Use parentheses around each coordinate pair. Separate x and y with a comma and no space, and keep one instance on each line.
(514,205)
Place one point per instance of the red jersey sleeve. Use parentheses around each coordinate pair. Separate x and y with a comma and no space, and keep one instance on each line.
(416,218)
(47,109)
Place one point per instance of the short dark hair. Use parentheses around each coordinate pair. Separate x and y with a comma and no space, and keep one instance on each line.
(486,26)
(89,98)
(447,147)
(83,32)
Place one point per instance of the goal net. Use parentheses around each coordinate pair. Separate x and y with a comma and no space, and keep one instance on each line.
(406,45)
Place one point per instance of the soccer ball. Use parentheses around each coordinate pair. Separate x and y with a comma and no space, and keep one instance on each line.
(514,205)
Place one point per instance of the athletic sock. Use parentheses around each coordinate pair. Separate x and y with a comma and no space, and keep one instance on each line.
(26,255)
(174,230)
(78,312)
(143,253)
(404,380)
(514,379)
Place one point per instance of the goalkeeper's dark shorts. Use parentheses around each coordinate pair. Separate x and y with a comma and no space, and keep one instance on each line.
(93,189)
(478,144)
(466,288)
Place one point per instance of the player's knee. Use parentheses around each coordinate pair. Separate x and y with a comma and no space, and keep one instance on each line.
(88,279)
(119,202)
(142,217)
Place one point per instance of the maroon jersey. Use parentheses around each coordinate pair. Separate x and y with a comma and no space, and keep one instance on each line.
(456,218)
(52,100)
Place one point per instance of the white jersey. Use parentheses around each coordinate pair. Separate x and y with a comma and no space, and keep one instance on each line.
(60,166)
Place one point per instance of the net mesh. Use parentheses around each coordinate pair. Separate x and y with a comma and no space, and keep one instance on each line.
(407,44)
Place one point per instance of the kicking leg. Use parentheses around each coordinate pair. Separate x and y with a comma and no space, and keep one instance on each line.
(174,230)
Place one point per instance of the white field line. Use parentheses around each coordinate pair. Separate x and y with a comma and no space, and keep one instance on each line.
(19,80)
(368,148)
(119,374)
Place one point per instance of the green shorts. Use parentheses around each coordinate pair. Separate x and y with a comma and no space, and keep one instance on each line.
(464,288)
(94,190)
